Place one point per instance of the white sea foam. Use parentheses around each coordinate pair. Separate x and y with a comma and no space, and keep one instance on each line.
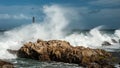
(52,27)
(94,38)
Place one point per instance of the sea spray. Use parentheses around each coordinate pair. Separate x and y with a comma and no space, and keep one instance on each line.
(94,39)
(117,33)
(52,27)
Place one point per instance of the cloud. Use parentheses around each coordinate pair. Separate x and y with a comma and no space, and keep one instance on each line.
(108,17)
(107,13)
(4,16)
(92,17)
(21,16)
(105,3)
(19,10)
(17,17)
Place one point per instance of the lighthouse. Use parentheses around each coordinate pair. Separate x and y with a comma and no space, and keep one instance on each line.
(33,19)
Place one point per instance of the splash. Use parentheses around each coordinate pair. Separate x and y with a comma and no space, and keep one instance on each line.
(93,39)
(53,26)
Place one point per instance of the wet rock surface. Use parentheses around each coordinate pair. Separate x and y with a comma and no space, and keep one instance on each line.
(62,51)
(4,64)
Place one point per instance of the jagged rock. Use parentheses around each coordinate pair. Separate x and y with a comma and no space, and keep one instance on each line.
(12,51)
(4,64)
(62,51)
(114,41)
(106,43)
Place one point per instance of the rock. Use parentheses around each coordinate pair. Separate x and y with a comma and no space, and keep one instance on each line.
(119,40)
(114,41)
(4,64)
(94,65)
(106,43)
(12,51)
(62,51)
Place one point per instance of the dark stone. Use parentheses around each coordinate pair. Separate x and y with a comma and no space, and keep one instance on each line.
(12,51)
(114,41)
(106,43)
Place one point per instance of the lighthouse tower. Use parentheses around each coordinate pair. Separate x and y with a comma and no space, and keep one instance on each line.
(33,19)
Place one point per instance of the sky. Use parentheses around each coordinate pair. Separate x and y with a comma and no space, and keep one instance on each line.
(90,13)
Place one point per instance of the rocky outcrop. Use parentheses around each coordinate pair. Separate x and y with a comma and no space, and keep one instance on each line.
(106,43)
(4,64)
(62,51)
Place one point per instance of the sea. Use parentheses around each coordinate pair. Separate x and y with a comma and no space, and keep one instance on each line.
(55,26)
(15,38)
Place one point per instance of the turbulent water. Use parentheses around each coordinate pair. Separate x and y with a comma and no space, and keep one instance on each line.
(53,27)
